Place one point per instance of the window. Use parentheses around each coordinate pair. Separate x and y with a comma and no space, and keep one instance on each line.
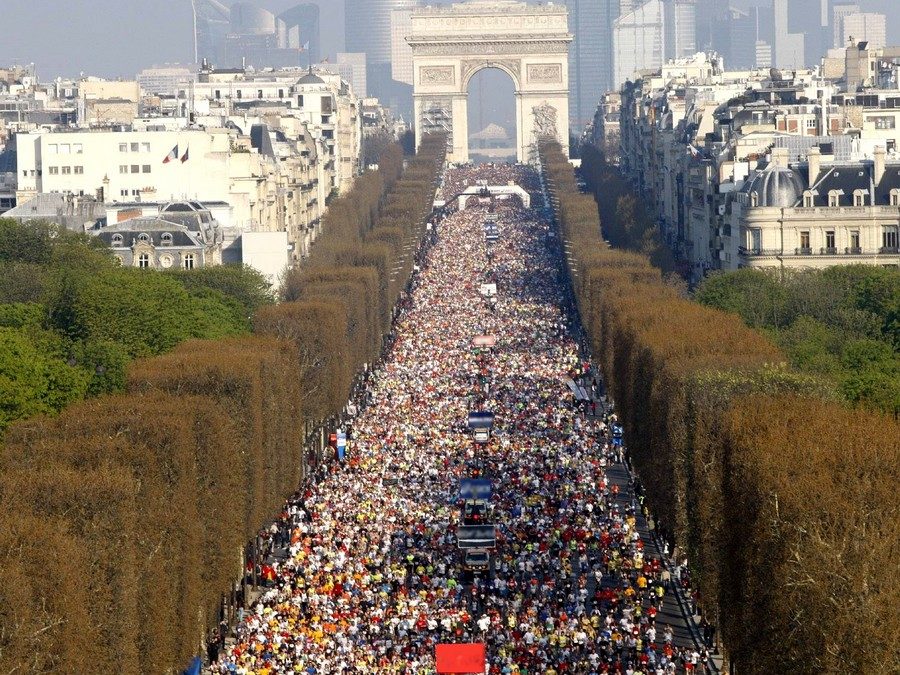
(123,193)
(123,168)
(53,147)
(755,240)
(135,147)
(135,168)
(144,261)
(218,93)
(854,242)
(895,197)
(889,239)
(829,241)
(79,170)
(327,104)
(281,93)
(300,100)
(145,147)
(54,170)
(811,123)
(145,168)
(65,148)
(240,94)
(166,239)
(67,170)
(78,148)
(189,261)
(859,198)
(259,93)
(834,198)
(884,122)
(118,240)
(804,243)
(808,199)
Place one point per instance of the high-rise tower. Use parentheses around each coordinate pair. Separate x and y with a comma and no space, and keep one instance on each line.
(590,57)
(367,28)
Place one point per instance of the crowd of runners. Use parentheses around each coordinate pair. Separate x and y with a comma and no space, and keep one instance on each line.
(373,578)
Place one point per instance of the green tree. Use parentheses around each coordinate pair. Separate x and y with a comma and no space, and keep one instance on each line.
(32,382)
(240,282)
(144,312)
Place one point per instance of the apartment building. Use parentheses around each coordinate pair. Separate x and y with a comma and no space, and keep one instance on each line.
(764,168)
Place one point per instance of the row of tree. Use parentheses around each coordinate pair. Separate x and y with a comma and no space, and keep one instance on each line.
(122,520)
(779,494)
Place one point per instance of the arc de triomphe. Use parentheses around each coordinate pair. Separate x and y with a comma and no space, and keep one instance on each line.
(530,43)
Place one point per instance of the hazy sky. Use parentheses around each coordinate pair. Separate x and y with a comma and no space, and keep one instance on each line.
(115,38)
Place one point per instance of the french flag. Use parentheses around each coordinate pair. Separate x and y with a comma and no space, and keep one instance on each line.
(184,157)
(172,156)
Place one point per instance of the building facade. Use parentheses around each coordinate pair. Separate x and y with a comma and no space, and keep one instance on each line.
(764,168)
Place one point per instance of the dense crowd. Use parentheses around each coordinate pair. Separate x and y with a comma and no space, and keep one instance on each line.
(373,578)
(468,175)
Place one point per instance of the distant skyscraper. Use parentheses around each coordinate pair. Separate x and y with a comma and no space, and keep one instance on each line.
(681,15)
(302,27)
(838,13)
(710,17)
(866,27)
(639,41)
(367,28)
(245,34)
(401,52)
(211,22)
(809,18)
(763,54)
(351,66)
(590,57)
(742,37)
(789,47)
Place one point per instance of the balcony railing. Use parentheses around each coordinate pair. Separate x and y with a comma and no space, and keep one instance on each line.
(889,249)
(803,250)
(853,250)
(789,253)
(828,250)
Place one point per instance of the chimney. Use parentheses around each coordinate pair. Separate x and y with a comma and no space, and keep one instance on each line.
(879,163)
(780,157)
(814,157)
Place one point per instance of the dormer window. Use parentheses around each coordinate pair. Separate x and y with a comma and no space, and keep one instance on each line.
(118,240)
(859,198)
(834,198)
(166,239)
(808,199)
(144,238)
(895,197)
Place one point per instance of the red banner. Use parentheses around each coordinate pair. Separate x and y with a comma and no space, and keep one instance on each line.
(461,658)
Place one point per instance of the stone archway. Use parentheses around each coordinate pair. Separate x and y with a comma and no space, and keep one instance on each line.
(530,43)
